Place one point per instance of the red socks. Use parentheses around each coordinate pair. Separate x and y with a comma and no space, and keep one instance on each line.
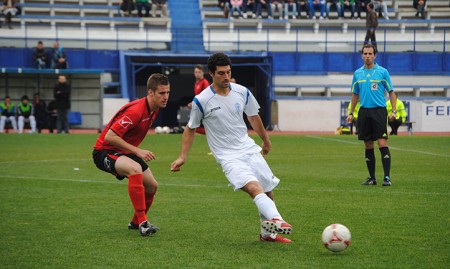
(149,197)
(137,196)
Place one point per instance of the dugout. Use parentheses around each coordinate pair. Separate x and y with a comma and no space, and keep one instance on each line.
(252,71)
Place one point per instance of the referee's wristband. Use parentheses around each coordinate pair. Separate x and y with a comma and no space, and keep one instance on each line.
(350,114)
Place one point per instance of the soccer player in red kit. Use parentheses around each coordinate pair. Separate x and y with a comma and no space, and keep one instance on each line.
(201,83)
(117,151)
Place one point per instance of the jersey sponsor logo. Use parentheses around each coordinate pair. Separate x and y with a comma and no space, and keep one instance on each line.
(107,163)
(374,86)
(125,122)
(215,108)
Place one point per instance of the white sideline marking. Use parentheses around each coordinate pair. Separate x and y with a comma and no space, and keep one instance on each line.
(390,192)
(391,147)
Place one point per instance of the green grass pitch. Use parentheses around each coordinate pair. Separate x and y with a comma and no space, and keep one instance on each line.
(57,210)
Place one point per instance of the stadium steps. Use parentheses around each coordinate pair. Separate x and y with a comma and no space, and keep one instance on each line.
(187,33)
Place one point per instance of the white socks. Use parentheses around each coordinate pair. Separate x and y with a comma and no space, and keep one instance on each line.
(266,207)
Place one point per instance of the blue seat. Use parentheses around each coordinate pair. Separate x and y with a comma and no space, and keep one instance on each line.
(75,118)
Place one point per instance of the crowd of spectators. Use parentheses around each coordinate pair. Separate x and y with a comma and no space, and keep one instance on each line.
(143,7)
(55,59)
(285,9)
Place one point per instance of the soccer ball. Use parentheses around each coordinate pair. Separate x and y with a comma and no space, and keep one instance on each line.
(336,237)
(166,130)
(158,130)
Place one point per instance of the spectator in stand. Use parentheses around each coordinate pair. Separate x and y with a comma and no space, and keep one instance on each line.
(320,4)
(400,116)
(61,92)
(419,5)
(25,112)
(143,4)
(52,116)
(161,4)
(361,5)
(248,5)
(347,5)
(336,5)
(371,25)
(303,5)
(278,6)
(127,6)
(225,6)
(8,114)
(381,7)
(260,4)
(59,58)
(40,112)
(40,56)
(235,6)
(290,5)
(9,9)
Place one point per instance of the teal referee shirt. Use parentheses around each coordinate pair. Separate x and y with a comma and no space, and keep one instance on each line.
(371,84)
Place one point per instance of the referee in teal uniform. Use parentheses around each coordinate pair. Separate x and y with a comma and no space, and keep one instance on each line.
(370,82)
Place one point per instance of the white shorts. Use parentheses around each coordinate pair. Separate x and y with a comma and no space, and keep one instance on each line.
(252,167)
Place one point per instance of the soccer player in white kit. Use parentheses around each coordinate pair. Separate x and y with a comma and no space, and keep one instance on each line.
(220,108)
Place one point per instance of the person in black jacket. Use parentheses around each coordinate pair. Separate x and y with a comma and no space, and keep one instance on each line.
(40,56)
(61,92)
(40,112)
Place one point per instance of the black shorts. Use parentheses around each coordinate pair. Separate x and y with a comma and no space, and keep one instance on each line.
(372,124)
(106,160)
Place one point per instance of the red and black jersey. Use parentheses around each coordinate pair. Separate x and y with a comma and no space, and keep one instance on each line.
(131,123)
(200,85)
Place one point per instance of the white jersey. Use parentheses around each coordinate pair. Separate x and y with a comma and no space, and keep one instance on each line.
(222,117)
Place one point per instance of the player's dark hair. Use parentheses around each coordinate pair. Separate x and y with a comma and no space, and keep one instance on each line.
(218,59)
(155,80)
(369,46)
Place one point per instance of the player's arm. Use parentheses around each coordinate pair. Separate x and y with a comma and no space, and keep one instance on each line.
(355,99)
(117,141)
(258,127)
(186,143)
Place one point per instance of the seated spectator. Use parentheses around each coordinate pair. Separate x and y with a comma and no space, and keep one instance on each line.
(355,116)
(248,5)
(225,6)
(400,116)
(235,6)
(161,4)
(303,5)
(8,114)
(127,6)
(290,5)
(381,7)
(59,58)
(278,6)
(336,5)
(361,5)
(25,112)
(320,4)
(40,112)
(40,56)
(419,5)
(347,5)
(266,5)
(143,4)
(9,9)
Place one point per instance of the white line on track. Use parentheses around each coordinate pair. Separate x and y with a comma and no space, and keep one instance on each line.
(391,192)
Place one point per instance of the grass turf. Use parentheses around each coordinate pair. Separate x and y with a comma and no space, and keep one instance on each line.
(57,210)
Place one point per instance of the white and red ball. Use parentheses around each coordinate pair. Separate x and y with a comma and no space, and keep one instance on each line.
(336,237)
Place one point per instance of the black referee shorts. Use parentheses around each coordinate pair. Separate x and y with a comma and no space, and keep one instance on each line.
(372,124)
